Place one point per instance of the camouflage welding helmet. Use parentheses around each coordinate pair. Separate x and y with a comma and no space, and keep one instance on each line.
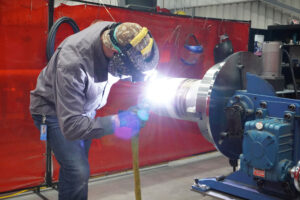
(137,50)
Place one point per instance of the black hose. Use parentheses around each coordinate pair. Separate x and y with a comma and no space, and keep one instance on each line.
(292,72)
(52,34)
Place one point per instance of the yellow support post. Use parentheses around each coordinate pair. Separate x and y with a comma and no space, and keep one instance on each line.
(135,165)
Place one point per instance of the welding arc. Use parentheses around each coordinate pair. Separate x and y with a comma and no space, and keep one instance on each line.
(52,34)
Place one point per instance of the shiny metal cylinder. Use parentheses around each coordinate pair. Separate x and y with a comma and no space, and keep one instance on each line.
(203,100)
(271,56)
(181,103)
(190,99)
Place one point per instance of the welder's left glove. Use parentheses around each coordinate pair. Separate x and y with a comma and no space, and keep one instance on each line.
(131,121)
(142,113)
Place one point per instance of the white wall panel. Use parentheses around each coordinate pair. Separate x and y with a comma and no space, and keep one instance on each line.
(277,17)
(269,15)
(233,9)
(247,11)
(187,3)
(114,2)
(189,11)
(220,11)
(254,14)
(226,11)
(160,3)
(239,10)
(285,18)
(261,14)
(194,2)
(213,12)
(171,4)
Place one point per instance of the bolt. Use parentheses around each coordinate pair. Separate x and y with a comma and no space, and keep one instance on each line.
(292,107)
(240,66)
(249,111)
(260,183)
(220,142)
(269,164)
(223,134)
(237,98)
(263,104)
(287,116)
(259,125)
(259,113)
(203,187)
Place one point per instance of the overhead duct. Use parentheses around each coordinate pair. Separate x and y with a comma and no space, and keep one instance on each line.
(145,5)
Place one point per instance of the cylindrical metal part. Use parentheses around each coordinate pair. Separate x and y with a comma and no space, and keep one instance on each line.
(177,98)
(204,100)
(271,57)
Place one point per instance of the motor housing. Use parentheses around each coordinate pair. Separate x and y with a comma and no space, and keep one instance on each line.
(267,149)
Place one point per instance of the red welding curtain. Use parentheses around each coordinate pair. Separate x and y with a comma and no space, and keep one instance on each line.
(23,33)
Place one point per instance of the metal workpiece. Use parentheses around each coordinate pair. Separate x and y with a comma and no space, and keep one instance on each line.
(204,100)
(186,99)
(224,79)
(174,97)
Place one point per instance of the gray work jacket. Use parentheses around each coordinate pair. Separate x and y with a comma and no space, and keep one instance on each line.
(74,84)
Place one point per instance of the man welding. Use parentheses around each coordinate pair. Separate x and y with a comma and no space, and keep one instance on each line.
(76,82)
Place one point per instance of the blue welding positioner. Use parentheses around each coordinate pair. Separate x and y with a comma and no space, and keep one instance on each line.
(256,127)
(270,145)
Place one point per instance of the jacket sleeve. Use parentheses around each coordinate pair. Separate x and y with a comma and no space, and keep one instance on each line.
(70,98)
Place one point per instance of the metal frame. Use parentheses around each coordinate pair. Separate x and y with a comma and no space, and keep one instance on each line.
(48,176)
(237,183)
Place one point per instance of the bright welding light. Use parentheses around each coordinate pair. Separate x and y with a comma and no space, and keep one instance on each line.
(161,90)
(150,74)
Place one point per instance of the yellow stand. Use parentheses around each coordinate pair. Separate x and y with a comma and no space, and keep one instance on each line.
(135,164)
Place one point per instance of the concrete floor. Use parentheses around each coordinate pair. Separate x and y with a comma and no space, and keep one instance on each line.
(168,181)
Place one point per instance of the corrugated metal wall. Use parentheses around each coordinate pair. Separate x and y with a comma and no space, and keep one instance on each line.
(260,13)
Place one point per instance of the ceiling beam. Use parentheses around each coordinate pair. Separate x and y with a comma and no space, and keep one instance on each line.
(281,5)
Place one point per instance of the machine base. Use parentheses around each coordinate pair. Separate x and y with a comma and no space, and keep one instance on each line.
(240,185)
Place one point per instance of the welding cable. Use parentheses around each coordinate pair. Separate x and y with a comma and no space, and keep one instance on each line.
(12,195)
(20,193)
(52,34)
(292,73)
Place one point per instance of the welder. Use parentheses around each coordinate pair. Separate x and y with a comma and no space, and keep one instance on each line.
(76,82)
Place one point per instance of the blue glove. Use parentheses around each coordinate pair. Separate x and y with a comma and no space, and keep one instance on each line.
(131,121)
(141,111)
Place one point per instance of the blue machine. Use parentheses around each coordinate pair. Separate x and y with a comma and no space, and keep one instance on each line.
(239,112)
(262,131)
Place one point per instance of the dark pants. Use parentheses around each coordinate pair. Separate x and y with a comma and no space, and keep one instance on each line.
(73,159)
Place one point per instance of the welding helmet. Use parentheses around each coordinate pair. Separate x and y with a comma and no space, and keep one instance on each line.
(192,52)
(135,57)
(223,49)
